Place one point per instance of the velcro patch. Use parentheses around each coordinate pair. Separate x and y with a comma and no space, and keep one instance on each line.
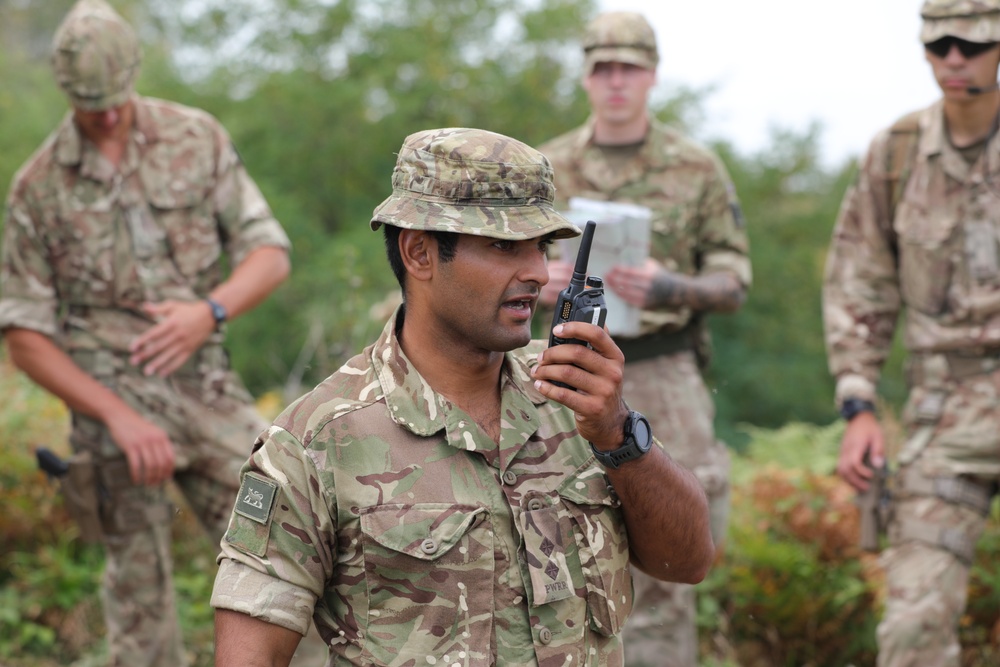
(256,498)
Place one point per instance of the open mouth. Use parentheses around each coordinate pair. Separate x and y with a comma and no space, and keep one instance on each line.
(522,306)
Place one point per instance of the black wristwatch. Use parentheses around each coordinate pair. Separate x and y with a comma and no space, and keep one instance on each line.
(852,407)
(638,440)
(218,312)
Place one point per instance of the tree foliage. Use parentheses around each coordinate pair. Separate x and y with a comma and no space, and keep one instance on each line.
(770,364)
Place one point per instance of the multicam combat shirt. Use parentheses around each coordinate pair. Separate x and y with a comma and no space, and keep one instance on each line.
(379,509)
(938,254)
(697,226)
(86,244)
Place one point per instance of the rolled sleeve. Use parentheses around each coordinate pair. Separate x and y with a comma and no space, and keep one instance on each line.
(25,314)
(731,262)
(240,587)
(852,385)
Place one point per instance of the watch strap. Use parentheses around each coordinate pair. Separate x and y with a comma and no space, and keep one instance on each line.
(218,312)
(852,407)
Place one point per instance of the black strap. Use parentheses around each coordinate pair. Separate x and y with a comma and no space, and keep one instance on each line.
(656,344)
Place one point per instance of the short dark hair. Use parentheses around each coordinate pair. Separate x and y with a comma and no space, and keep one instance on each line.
(447,243)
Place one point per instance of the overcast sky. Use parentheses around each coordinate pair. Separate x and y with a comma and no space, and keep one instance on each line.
(853,65)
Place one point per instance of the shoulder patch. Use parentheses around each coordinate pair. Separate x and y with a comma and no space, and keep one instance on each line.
(737,212)
(734,206)
(256,498)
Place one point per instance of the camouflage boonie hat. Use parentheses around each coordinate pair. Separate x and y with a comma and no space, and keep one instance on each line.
(96,56)
(620,37)
(472,182)
(971,20)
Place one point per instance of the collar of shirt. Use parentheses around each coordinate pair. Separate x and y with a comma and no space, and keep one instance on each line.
(414,405)
(658,151)
(934,143)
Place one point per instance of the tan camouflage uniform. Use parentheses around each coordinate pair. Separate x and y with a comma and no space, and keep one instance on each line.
(84,245)
(379,509)
(697,228)
(918,232)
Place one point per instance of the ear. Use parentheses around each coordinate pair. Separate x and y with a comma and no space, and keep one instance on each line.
(418,250)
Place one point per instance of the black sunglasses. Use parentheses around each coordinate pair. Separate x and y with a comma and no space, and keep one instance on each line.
(942,47)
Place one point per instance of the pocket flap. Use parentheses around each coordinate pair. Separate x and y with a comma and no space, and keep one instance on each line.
(425,531)
(588,485)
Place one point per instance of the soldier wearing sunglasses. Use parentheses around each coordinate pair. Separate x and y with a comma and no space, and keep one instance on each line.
(918,235)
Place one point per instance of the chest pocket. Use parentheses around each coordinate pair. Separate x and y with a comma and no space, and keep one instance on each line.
(928,241)
(85,246)
(429,571)
(603,547)
(177,179)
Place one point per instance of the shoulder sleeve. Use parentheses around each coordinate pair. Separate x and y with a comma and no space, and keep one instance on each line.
(861,299)
(244,217)
(27,293)
(279,550)
(722,235)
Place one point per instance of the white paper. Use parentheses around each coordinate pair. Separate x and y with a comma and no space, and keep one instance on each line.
(621,237)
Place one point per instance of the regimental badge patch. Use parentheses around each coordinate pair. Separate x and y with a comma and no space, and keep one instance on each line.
(734,207)
(256,497)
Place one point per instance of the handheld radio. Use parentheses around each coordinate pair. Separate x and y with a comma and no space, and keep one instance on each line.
(583,299)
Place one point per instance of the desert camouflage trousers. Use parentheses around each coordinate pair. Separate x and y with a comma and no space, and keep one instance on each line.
(948,472)
(212,422)
(670,392)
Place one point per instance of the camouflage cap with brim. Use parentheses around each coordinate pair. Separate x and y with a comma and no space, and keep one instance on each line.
(620,37)
(472,182)
(95,56)
(971,20)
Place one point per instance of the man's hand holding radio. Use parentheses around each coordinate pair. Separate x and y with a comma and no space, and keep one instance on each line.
(587,378)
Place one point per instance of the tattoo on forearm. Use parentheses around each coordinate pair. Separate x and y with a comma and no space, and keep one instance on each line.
(715,291)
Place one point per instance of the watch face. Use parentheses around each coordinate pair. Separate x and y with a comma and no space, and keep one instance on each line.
(218,311)
(642,434)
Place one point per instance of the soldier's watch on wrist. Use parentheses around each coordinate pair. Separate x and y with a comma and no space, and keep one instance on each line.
(218,312)
(638,440)
(852,407)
